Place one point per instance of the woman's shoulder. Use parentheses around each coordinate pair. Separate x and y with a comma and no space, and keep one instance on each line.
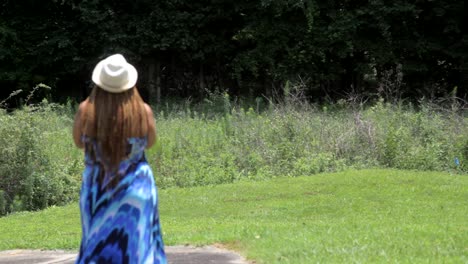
(148,109)
(83,104)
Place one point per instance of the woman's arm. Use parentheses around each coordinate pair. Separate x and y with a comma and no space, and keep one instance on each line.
(151,127)
(77,125)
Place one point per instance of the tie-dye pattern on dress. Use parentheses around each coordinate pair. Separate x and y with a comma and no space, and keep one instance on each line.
(120,220)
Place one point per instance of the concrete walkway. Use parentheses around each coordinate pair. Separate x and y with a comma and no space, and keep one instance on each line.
(175,255)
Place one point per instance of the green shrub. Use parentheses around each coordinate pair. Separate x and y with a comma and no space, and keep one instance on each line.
(40,166)
(37,160)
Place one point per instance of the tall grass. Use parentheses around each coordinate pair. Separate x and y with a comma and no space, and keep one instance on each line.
(199,148)
(219,141)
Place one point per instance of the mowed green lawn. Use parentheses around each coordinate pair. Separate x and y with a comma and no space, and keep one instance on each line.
(371,216)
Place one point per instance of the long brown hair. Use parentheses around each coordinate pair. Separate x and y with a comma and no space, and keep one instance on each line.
(111,118)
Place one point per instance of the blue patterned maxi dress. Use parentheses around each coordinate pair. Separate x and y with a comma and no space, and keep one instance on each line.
(120,221)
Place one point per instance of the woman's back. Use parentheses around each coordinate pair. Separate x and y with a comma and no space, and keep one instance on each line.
(120,219)
(118,197)
(94,157)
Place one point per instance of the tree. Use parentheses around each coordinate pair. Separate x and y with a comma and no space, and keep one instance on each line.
(182,48)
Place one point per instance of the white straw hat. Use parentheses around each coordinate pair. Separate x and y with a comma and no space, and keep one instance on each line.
(114,74)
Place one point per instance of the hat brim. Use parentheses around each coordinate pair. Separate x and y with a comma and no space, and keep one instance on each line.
(132,78)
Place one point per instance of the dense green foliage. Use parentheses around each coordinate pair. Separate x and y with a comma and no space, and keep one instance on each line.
(249,47)
(370,216)
(196,148)
(39,165)
(220,142)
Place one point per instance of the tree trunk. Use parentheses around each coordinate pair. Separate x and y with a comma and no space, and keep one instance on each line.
(158,81)
(463,89)
(151,86)
(267,88)
(201,79)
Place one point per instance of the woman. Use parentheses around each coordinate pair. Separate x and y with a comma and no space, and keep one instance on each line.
(118,198)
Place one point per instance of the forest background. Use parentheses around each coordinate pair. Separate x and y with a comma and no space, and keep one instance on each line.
(333,49)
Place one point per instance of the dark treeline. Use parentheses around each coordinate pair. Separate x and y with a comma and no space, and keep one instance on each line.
(184,48)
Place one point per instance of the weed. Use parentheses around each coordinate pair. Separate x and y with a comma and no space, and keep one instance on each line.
(221,141)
